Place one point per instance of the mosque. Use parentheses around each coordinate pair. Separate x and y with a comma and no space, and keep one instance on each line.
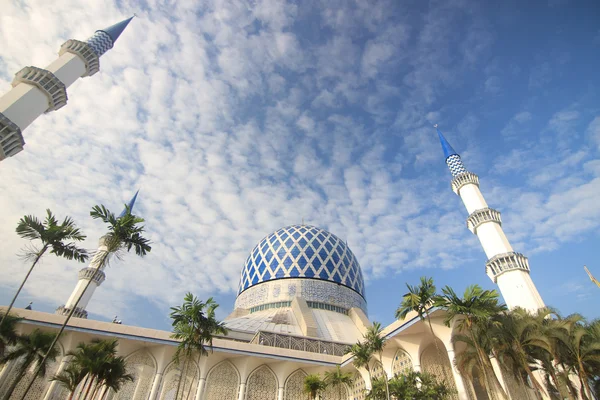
(301,300)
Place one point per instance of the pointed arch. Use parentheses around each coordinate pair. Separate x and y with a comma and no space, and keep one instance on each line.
(142,365)
(173,373)
(359,388)
(401,362)
(294,386)
(222,382)
(262,384)
(438,364)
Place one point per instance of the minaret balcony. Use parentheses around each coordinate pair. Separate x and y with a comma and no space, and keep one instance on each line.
(79,312)
(47,82)
(11,139)
(94,274)
(482,216)
(83,51)
(505,262)
(466,178)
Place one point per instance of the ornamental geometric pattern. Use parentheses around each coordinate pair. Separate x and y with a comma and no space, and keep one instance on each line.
(455,165)
(294,386)
(11,139)
(222,383)
(302,251)
(41,384)
(172,376)
(440,368)
(401,363)
(262,385)
(100,42)
(359,389)
(142,367)
(338,392)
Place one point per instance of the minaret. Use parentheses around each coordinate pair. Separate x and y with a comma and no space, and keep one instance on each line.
(36,91)
(93,273)
(508,269)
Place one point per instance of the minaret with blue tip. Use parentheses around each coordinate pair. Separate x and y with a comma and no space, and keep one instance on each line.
(36,91)
(508,269)
(93,272)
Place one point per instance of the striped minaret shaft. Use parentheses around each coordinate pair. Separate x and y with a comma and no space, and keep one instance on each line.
(36,91)
(508,269)
(92,273)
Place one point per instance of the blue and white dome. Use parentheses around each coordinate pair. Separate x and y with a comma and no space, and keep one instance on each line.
(302,251)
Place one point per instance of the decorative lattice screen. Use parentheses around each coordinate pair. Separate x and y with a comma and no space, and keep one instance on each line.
(262,385)
(222,383)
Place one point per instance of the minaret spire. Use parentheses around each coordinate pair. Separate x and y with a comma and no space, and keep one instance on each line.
(505,267)
(130,205)
(93,273)
(36,91)
(452,158)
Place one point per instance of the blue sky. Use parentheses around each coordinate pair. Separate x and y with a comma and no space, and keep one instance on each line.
(236,118)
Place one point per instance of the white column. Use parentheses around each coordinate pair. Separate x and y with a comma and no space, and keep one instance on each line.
(498,373)
(200,389)
(53,384)
(242,393)
(155,386)
(458,379)
(280,394)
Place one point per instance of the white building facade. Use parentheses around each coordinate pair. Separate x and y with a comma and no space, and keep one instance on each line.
(301,304)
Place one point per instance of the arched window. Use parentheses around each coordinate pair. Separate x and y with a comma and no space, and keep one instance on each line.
(438,364)
(294,386)
(222,382)
(262,385)
(142,366)
(401,363)
(172,375)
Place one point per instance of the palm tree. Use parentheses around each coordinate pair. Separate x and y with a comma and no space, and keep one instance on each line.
(124,233)
(418,386)
(338,379)
(35,348)
(53,236)
(195,325)
(473,311)
(70,378)
(8,334)
(113,376)
(518,334)
(362,354)
(376,343)
(313,385)
(378,389)
(420,299)
(581,352)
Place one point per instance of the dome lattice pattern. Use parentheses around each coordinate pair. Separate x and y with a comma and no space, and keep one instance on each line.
(302,251)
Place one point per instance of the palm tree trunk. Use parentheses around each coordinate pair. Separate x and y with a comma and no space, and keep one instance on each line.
(536,385)
(83,386)
(97,387)
(71,394)
(585,382)
(37,258)
(14,384)
(91,382)
(62,328)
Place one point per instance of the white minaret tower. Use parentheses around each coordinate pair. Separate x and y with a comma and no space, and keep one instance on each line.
(36,91)
(92,273)
(508,269)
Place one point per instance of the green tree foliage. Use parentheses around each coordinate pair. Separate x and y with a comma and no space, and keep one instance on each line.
(337,379)
(314,385)
(8,333)
(58,238)
(194,325)
(124,233)
(29,350)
